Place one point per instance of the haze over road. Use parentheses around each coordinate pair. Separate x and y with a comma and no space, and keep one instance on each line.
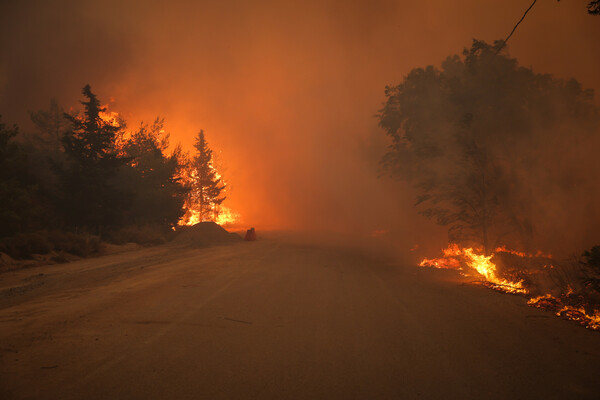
(275,319)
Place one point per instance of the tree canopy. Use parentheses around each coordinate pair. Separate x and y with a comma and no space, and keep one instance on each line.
(152,177)
(593,7)
(90,197)
(472,134)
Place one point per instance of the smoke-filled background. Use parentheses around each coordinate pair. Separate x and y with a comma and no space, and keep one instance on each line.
(286,91)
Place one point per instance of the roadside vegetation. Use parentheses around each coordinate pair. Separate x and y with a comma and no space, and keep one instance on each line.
(84,178)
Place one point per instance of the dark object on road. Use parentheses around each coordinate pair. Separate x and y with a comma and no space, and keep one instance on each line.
(250,235)
(204,234)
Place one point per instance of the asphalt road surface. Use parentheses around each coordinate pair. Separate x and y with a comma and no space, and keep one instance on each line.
(278,319)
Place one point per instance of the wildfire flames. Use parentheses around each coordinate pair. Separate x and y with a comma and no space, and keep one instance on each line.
(539,254)
(220,214)
(482,264)
(578,314)
(110,117)
(224,217)
(467,259)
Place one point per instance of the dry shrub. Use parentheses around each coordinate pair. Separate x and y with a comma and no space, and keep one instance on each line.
(80,244)
(146,235)
(25,245)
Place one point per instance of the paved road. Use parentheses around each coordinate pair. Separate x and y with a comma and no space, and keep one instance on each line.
(278,319)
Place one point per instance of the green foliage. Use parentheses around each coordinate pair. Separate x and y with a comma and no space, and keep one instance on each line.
(467,134)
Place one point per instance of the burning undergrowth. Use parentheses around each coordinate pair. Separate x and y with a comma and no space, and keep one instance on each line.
(569,306)
(569,288)
(498,153)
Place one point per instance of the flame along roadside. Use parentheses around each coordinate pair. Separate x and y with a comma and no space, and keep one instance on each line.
(484,267)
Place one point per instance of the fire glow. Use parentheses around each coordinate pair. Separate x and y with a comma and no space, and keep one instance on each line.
(219,214)
(539,254)
(482,264)
(110,117)
(224,217)
(577,314)
(455,257)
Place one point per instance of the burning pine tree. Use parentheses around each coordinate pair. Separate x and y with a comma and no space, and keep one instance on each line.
(207,186)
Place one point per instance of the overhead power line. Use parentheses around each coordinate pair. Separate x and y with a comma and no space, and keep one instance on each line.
(515,27)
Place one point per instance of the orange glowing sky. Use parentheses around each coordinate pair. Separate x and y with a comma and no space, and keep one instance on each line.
(286,91)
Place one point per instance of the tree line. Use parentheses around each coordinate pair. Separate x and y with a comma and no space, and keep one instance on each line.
(87,172)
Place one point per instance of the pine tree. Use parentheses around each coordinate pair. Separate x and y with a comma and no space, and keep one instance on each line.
(206,186)
(91,139)
(51,125)
(18,205)
(152,177)
(89,197)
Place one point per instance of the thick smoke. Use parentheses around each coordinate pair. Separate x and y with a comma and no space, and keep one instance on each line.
(499,154)
(287,91)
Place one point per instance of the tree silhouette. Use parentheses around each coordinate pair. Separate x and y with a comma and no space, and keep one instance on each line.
(151,177)
(206,192)
(593,7)
(90,139)
(46,151)
(90,198)
(472,137)
(51,125)
(17,186)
